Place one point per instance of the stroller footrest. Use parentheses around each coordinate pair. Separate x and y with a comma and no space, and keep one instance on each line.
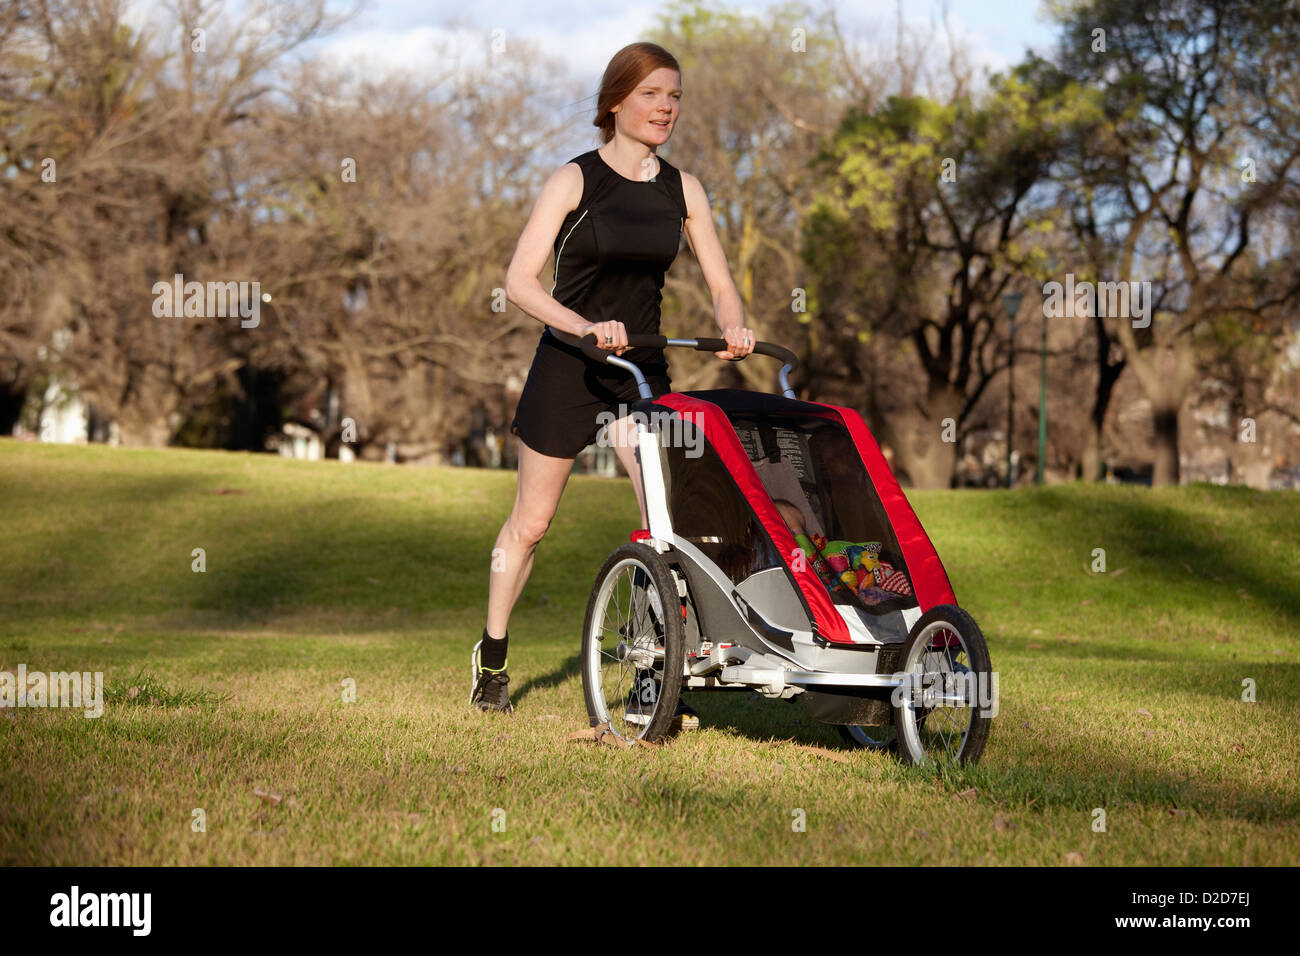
(822,679)
(776,680)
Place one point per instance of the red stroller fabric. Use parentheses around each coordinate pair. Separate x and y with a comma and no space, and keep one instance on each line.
(929,579)
(715,425)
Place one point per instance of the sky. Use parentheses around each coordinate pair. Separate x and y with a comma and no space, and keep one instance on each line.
(390,35)
(415,36)
(402,33)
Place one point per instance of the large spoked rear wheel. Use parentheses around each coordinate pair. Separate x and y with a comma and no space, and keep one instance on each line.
(943,713)
(633,645)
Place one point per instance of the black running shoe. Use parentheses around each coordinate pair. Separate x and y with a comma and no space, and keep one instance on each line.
(489,690)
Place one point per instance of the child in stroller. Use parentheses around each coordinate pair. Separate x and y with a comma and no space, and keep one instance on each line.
(863,568)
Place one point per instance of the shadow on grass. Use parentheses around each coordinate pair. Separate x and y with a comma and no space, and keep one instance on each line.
(571,669)
(269,558)
(356,557)
(1169,542)
(1073,770)
(1080,777)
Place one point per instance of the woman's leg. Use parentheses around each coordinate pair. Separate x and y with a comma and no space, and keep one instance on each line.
(622,433)
(537,495)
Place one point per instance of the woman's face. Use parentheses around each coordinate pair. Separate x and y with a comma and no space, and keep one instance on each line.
(650,111)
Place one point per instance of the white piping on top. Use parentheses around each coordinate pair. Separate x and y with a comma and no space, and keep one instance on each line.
(556,277)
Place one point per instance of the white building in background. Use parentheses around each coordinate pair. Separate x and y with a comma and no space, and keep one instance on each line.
(298,441)
(597,459)
(65,418)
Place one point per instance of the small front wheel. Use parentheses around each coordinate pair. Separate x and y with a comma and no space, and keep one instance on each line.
(633,645)
(944,710)
(883,738)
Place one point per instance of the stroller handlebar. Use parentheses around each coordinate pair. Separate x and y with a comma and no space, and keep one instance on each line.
(588,345)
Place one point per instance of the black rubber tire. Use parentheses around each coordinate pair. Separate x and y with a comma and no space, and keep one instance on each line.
(853,743)
(647,562)
(977,652)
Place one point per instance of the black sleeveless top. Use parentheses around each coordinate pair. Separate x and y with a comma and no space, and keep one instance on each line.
(612,251)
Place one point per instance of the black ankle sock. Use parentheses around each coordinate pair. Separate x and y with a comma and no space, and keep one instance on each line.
(492,654)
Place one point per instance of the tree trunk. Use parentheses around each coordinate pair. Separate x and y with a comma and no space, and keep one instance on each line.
(931,466)
(1251,461)
(916,437)
(11,407)
(1165,372)
(1108,372)
(1164,416)
(1256,473)
(141,431)
(1090,466)
(146,412)
(419,453)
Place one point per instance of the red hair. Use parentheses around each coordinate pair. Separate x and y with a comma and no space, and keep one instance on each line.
(626,69)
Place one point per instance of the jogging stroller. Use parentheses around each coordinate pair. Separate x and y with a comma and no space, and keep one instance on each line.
(718,594)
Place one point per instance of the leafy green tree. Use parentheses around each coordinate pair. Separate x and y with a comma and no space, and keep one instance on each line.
(927,214)
(760,93)
(1179,178)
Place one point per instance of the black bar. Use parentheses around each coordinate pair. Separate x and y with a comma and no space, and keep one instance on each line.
(588,345)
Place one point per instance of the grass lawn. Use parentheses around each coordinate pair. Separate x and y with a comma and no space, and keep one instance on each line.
(1120,691)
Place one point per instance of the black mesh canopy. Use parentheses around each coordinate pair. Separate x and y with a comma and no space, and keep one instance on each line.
(800,456)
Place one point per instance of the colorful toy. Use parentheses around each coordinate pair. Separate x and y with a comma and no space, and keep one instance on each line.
(856,566)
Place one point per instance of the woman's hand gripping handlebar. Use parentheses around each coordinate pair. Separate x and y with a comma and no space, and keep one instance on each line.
(588,345)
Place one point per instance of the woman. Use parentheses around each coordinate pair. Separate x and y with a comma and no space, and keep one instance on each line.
(614,217)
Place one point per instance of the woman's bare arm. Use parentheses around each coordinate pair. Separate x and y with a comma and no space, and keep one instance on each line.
(559,197)
(703,239)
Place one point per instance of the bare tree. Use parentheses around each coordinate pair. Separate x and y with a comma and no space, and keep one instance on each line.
(1188,90)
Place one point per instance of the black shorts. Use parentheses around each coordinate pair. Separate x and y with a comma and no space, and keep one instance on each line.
(559,412)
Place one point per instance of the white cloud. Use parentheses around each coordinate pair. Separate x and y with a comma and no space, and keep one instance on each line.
(584,47)
(418,36)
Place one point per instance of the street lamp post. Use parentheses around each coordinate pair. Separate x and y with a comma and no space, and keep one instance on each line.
(1011,302)
(1042,411)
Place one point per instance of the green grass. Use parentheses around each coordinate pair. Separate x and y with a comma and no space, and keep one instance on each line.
(1120,691)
